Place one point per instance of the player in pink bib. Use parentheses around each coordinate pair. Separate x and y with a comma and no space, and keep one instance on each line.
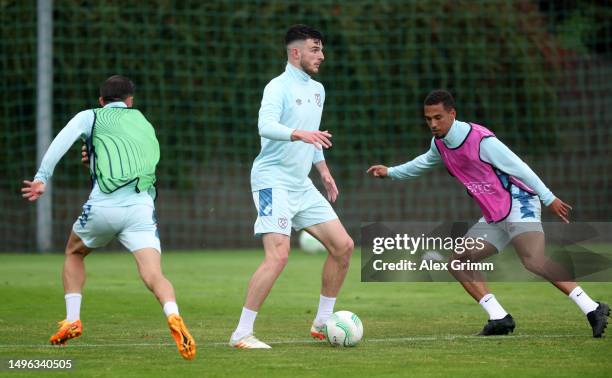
(508,192)
(479,177)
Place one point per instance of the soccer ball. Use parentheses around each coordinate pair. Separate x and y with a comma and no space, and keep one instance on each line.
(309,244)
(343,329)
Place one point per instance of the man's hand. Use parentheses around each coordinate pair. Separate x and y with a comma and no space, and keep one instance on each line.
(32,190)
(379,171)
(84,156)
(560,208)
(318,138)
(330,187)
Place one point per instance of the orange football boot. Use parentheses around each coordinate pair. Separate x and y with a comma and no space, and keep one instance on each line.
(318,332)
(184,342)
(67,330)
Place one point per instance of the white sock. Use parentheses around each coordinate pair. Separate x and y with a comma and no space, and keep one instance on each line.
(326,308)
(492,306)
(73,306)
(170,308)
(245,325)
(583,301)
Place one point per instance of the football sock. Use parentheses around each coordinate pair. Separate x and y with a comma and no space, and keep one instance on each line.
(326,308)
(583,301)
(170,308)
(245,325)
(73,306)
(492,306)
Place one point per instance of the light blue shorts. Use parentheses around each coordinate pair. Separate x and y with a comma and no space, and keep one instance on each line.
(525,216)
(134,226)
(279,210)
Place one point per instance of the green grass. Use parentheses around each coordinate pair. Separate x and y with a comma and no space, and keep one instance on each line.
(411,329)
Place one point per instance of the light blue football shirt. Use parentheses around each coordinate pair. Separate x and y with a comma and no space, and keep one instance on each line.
(492,151)
(290,101)
(80,127)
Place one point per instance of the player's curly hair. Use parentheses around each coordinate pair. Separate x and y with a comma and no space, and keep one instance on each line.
(302,32)
(440,96)
(116,88)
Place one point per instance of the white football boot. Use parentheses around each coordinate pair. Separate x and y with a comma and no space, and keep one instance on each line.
(248,342)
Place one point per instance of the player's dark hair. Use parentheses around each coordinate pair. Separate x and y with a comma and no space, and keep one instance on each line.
(116,88)
(440,96)
(302,32)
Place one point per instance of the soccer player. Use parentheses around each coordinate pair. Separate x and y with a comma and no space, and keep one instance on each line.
(508,193)
(284,196)
(123,153)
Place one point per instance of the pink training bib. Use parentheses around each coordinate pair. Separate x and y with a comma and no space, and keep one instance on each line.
(481,179)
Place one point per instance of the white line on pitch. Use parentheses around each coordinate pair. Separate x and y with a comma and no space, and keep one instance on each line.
(302,341)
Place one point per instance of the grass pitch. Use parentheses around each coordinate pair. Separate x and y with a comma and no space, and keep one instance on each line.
(411,329)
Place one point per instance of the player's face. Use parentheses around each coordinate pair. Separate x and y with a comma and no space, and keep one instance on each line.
(311,56)
(439,119)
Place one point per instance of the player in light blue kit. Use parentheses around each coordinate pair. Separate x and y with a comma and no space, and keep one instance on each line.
(508,193)
(123,153)
(284,196)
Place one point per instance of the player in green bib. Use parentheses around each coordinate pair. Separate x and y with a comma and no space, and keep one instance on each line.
(125,148)
(123,153)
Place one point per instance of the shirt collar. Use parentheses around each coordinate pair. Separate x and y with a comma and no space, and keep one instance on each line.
(296,73)
(456,134)
(116,104)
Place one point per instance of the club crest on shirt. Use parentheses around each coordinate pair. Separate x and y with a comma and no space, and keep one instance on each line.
(282,222)
(318,99)
(298,101)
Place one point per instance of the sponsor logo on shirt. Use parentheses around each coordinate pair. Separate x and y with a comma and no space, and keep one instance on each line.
(480,187)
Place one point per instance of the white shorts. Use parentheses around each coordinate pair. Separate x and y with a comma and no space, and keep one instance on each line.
(135,226)
(278,210)
(525,216)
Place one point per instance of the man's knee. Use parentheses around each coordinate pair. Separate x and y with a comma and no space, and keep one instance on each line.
(343,251)
(348,246)
(278,260)
(534,265)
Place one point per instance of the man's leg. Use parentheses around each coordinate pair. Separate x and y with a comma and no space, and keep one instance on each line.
(472,281)
(340,247)
(276,253)
(500,322)
(530,246)
(73,276)
(148,261)
(139,234)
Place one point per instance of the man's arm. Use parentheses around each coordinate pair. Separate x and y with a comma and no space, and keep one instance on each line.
(328,180)
(270,114)
(269,121)
(493,151)
(78,127)
(412,169)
